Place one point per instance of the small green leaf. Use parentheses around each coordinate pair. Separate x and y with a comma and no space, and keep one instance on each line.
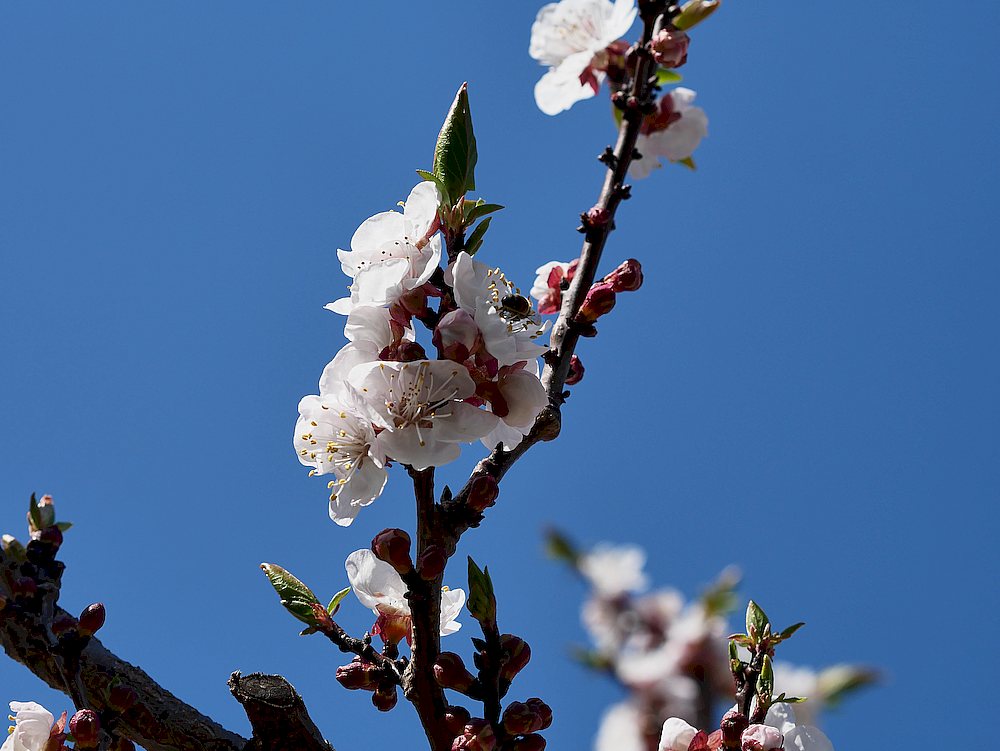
(475,240)
(687,162)
(34,515)
(455,154)
(786,633)
(591,658)
(694,12)
(295,596)
(666,76)
(839,681)
(334,605)
(756,620)
(482,602)
(63,526)
(559,547)
(479,210)
(720,597)
(765,681)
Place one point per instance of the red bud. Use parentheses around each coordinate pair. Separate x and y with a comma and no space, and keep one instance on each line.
(86,729)
(92,619)
(483,492)
(393,547)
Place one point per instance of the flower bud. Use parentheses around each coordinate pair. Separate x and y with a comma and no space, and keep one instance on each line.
(385,697)
(627,277)
(532,742)
(91,619)
(483,492)
(121,697)
(518,654)
(358,674)
(541,709)
(414,302)
(670,48)
(457,336)
(393,547)
(694,12)
(761,738)
(86,729)
(455,719)
(576,371)
(600,300)
(676,735)
(520,719)
(450,672)
(732,726)
(403,351)
(477,735)
(431,563)
(63,623)
(597,216)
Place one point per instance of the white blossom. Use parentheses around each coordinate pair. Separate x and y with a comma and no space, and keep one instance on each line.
(420,406)
(508,335)
(333,435)
(569,37)
(31,729)
(673,132)
(794,680)
(523,398)
(392,253)
(380,589)
(798,737)
(368,330)
(677,735)
(614,570)
(621,729)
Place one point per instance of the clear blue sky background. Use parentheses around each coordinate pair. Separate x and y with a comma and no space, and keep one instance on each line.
(806,385)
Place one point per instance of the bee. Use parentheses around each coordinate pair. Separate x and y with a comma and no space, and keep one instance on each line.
(515,307)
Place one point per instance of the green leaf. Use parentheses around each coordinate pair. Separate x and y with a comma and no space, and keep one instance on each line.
(482,602)
(765,681)
(665,76)
(756,620)
(694,12)
(63,526)
(475,240)
(559,547)
(34,515)
(295,596)
(687,162)
(334,605)
(782,699)
(591,658)
(455,154)
(786,633)
(839,681)
(431,177)
(478,210)
(720,597)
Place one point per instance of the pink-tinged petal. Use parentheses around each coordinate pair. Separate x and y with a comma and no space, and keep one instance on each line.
(620,729)
(502,433)
(464,424)
(337,372)
(525,397)
(375,583)
(420,210)
(374,233)
(676,735)
(380,283)
(407,447)
(560,88)
(806,738)
(452,601)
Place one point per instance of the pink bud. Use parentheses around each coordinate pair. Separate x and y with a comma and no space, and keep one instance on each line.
(122,697)
(457,336)
(518,655)
(123,744)
(455,719)
(414,302)
(598,216)
(732,726)
(91,619)
(761,738)
(520,719)
(86,728)
(576,371)
(483,492)
(385,697)
(627,277)
(476,736)
(393,547)
(358,674)
(600,300)
(541,709)
(431,563)
(670,48)
(450,672)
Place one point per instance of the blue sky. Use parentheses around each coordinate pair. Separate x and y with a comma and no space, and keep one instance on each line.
(806,386)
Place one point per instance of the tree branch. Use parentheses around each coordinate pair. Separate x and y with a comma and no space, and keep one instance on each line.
(278,715)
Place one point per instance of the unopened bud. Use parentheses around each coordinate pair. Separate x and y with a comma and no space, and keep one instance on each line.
(532,742)
(576,371)
(455,719)
(358,675)
(393,547)
(91,619)
(541,709)
(86,729)
(761,738)
(670,48)
(476,736)
(627,277)
(63,623)
(599,301)
(694,12)
(414,302)
(732,726)
(385,697)
(122,697)
(598,216)
(518,655)
(483,492)
(431,563)
(457,336)
(450,672)
(123,744)
(520,719)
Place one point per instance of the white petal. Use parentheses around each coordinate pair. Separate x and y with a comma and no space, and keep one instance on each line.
(464,425)
(421,209)
(337,372)
(620,729)
(407,447)
(683,98)
(525,398)
(364,485)
(505,434)
(560,88)
(382,229)
(806,738)
(380,283)
(681,138)
(452,601)
(642,168)
(375,582)
(676,735)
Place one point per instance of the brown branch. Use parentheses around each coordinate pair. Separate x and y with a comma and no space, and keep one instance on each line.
(278,715)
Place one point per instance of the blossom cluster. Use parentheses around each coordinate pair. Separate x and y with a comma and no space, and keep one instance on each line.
(670,655)
(383,398)
(580,43)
